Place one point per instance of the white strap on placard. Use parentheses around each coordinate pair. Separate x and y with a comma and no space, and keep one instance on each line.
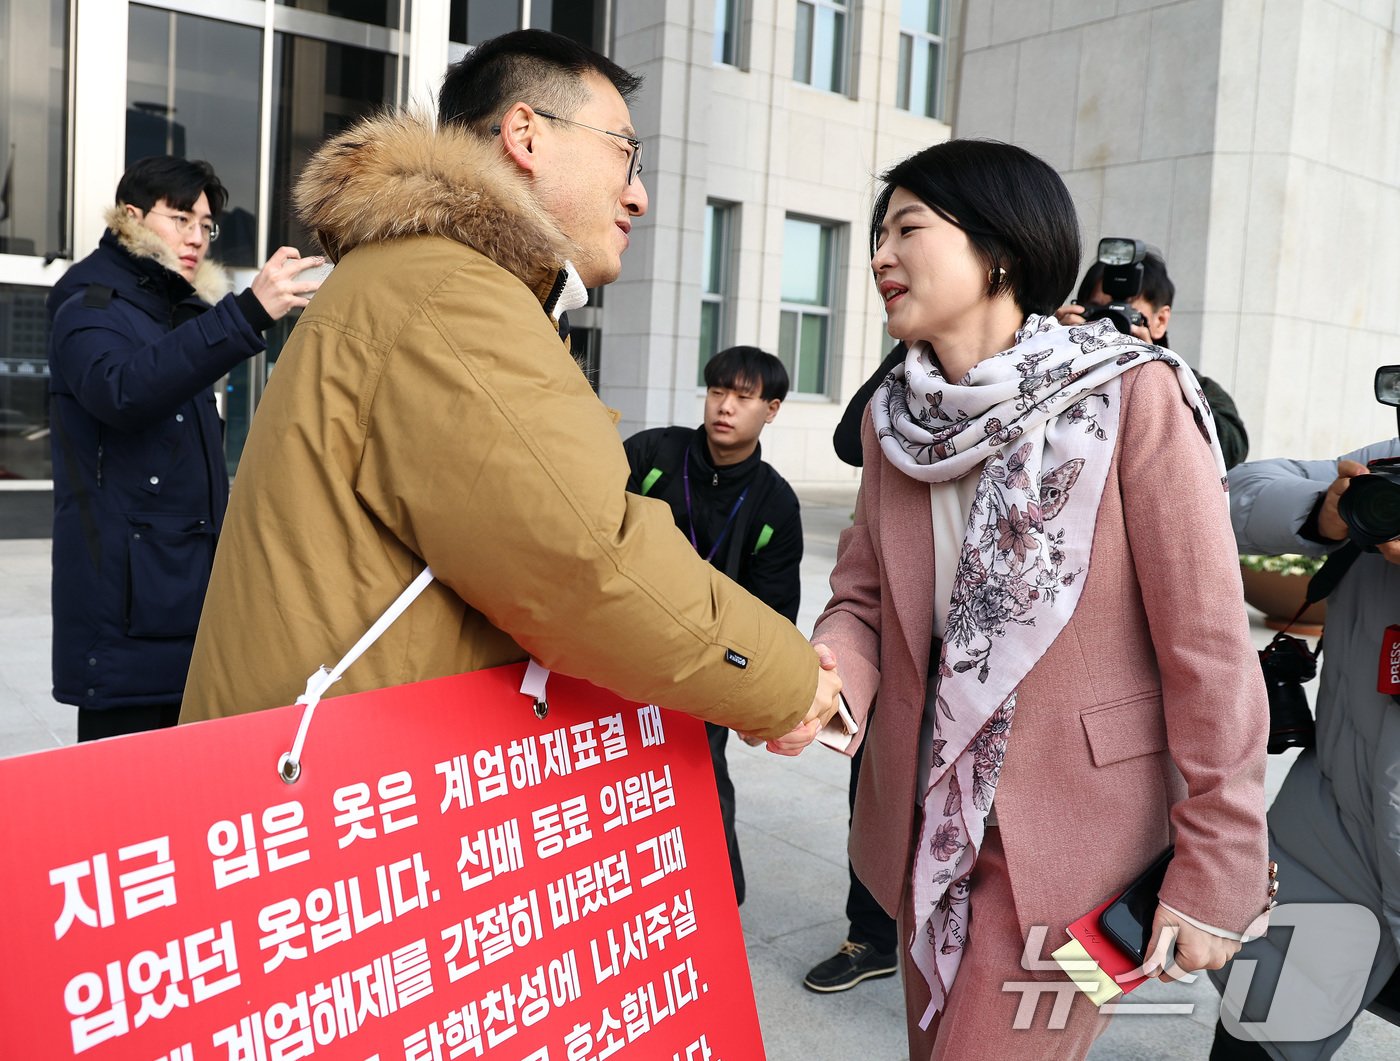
(532,685)
(289,766)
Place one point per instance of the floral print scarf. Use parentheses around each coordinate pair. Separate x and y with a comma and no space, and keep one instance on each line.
(1043,416)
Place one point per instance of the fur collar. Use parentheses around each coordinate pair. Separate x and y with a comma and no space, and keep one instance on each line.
(395,175)
(210,283)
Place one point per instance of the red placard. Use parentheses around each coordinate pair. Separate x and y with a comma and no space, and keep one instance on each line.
(450,877)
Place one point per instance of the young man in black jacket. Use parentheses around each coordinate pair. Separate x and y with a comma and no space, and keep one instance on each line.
(738,513)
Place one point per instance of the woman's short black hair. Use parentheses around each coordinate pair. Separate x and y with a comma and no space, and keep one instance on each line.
(1015,209)
(743,367)
(176,180)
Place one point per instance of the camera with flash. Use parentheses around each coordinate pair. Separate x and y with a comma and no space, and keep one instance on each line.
(1371,505)
(1122,279)
(1122,261)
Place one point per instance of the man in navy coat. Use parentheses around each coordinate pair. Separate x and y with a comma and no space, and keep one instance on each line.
(142,328)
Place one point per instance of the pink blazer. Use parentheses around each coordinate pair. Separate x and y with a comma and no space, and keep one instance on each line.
(1147,716)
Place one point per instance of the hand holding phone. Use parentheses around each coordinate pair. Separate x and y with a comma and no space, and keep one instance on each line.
(848,721)
(1127,921)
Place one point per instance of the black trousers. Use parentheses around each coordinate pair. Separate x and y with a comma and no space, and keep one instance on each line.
(1227,1048)
(719,738)
(95,724)
(869,922)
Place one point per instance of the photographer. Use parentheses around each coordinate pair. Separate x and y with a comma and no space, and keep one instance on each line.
(1333,828)
(1142,305)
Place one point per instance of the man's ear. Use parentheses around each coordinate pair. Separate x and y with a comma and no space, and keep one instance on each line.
(774,404)
(1157,323)
(132,212)
(518,129)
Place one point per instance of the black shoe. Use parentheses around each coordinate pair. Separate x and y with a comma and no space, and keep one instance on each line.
(850,965)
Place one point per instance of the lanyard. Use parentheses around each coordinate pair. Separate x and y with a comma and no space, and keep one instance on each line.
(690,517)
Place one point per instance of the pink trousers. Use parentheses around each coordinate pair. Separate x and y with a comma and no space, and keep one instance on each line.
(981,1018)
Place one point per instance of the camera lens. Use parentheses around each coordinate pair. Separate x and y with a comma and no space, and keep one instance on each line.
(1371,508)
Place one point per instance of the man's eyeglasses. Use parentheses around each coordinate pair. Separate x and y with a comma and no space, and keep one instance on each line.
(185,223)
(634,162)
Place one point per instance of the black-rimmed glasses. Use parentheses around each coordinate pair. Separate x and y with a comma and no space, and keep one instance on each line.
(634,162)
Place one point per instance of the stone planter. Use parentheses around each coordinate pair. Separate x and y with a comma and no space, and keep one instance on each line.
(1278,596)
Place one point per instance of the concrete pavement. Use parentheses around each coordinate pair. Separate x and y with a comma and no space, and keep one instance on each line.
(792,829)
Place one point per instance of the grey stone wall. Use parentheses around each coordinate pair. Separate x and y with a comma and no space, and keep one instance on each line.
(1303,267)
(1119,96)
(1258,145)
(752,137)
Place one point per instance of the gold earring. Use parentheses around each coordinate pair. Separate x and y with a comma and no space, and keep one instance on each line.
(995,277)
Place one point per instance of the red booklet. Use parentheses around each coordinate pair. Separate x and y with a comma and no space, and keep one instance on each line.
(1096,964)
(1107,945)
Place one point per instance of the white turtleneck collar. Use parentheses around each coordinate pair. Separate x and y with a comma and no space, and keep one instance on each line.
(574,294)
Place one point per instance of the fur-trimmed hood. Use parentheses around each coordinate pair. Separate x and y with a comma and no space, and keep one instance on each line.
(395,175)
(211,281)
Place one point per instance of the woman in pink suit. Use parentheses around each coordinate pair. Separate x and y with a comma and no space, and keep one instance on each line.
(1037,618)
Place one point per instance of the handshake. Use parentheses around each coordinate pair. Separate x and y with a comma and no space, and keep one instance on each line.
(824,704)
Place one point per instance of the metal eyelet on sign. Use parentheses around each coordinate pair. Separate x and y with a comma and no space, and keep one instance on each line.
(288,769)
(541,708)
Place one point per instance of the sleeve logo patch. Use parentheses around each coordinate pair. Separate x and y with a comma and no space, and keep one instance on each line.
(733,658)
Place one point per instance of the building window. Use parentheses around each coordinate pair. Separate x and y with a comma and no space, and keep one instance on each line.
(585,346)
(729,16)
(473,21)
(820,59)
(33,134)
(810,253)
(24,383)
(322,87)
(719,225)
(921,38)
(192,90)
(375,12)
(580,20)
(586,336)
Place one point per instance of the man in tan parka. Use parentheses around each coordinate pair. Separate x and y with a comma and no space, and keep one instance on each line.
(425,411)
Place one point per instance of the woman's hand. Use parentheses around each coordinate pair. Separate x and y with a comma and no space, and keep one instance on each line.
(795,741)
(1196,949)
(823,707)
